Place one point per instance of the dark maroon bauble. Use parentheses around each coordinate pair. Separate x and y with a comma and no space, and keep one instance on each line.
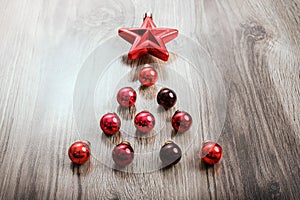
(181,121)
(123,154)
(110,123)
(144,121)
(126,97)
(166,98)
(170,154)
(79,152)
(211,153)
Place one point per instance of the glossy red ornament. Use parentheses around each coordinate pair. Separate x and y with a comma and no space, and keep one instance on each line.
(79,152)
(181,121)
(170,153)
(123,154)
(166,98)
(144,121)
(148,76)
(211,153)
(148,39)
(126,97)
(110,123)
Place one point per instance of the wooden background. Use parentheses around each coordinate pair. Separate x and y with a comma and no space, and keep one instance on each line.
(256,46)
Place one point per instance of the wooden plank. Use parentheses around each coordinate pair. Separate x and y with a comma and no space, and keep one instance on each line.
(255,46)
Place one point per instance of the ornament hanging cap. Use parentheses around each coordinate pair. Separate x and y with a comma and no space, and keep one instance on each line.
(148,14)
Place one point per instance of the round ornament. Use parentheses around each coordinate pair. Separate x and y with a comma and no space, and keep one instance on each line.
(79,152)
(148,76)
(123,154)
(110,123)
(144,122)
(126,97)
(182,121)
(170,154)
(166,98)
(211,153)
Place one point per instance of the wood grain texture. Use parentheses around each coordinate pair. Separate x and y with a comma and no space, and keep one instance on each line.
(255,45)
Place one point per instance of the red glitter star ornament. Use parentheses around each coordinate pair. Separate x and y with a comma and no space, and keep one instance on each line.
(148,39)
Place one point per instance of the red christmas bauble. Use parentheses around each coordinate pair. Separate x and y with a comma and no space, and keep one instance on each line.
(148,76)
(211,153)
(166,98)
(126,97)
(123,154)
(144,121)
(182,121)
(79,152)
(110,123)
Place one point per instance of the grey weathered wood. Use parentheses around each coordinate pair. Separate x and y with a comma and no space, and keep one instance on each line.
(256,46)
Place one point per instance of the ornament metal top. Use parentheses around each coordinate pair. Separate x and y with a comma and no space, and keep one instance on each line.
(148,39)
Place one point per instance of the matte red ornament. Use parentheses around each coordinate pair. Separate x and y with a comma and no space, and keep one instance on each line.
(148,76)
(123,154)
(110,123)
(211,153)
(166,98)
(79,152)
(148,39)
(170,153)
(126,97)
(181,121)
(144,121)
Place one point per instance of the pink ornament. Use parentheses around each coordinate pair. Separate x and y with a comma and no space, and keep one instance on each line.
(148,76)
(126,97)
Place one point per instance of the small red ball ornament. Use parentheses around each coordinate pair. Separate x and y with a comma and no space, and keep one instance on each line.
(170,153)
(166,98)
(181,121)
(144,121)
(110,123)
(123,154)
(148,76)
(211,153)
(79,152)
(126,97)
